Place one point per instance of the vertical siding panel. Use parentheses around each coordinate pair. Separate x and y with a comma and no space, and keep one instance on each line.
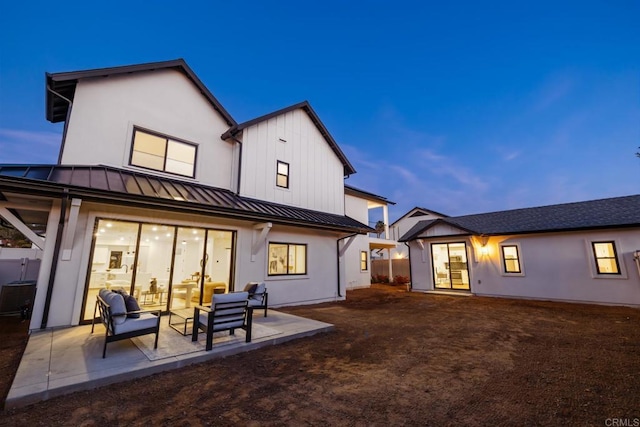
(316,180)
(270,160)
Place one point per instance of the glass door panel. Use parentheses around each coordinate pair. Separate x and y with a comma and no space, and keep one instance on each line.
(217,265)
(187,267)
(153,266)
(112,261)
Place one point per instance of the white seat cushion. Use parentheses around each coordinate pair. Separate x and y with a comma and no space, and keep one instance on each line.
(146,320)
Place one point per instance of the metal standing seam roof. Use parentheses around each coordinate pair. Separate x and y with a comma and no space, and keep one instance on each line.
(613,212)
(104,183)
(349,189)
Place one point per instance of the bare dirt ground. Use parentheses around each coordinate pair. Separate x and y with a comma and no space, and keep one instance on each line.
(396,358)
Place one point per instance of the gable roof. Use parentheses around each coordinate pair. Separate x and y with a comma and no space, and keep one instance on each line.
(64,86)
(124,187)
(614,212)
(304,105)
(415,210)
(349,189)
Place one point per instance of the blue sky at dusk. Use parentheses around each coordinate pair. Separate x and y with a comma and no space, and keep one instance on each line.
(463,107)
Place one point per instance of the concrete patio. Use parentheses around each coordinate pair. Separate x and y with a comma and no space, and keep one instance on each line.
(66,360)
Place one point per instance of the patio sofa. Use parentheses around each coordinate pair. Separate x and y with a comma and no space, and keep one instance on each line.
(228,312)
(122,318)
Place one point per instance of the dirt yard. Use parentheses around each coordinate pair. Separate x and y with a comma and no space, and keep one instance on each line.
(396,358)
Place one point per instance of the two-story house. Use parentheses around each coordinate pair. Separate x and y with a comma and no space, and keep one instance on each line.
(160,191)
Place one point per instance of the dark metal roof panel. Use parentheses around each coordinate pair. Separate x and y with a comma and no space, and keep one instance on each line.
(349,189)
(104,182)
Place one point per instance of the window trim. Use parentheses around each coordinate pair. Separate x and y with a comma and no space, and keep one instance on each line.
(289,244)
(278,174)
(591,259)
(503,270)
(615,257)
(365,261)
(167,138)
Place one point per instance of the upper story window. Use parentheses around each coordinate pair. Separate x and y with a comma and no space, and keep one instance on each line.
(511,259)
(282,174)
(606,257)
(162,153)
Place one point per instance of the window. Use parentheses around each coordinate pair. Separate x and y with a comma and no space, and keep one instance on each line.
(364,262)
(286,258)
(511,259)
(164,154)
(282,175)
(606,257)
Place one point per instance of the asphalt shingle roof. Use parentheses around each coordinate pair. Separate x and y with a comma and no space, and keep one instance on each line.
(603,213)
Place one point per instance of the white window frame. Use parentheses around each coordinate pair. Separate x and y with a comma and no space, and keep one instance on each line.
(591,256)
(502,260)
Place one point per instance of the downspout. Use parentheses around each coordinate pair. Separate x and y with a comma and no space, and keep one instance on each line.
(410,272)
(338,257)
(239,164)
(66,122)
(55,260)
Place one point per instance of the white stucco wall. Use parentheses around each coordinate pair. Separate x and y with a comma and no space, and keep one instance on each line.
(315,172)
(106,109)
(557,266)
(356,278)
(356,208)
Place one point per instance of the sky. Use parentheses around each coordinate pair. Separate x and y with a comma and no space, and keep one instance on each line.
(459,107)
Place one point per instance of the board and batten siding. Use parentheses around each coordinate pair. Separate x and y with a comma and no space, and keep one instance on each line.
(106,109)
(315,172)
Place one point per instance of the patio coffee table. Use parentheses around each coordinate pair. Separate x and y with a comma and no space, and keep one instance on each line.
(185,317)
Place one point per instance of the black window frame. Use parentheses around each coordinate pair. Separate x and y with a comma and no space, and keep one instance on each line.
(286,273)
(167,138)
(504,259)
(615,257)
(278,174)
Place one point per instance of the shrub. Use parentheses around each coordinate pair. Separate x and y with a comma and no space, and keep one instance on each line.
(400,280)
(379,278)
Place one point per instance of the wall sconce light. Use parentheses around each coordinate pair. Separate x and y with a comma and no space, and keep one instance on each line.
(484,249)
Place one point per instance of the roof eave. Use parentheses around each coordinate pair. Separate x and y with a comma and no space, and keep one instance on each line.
(72,77)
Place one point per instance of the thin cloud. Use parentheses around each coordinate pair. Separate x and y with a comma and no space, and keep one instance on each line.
(23,146)
(30,137)
(553,91)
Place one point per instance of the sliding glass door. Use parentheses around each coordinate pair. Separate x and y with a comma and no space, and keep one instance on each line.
(164,266)
(450,269)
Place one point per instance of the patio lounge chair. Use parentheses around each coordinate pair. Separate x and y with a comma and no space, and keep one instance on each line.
(258,296)
(121,323)
(228,312)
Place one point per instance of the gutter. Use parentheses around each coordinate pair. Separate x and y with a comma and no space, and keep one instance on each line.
(338,257)
(55,259)
(239,164)
(410,272)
